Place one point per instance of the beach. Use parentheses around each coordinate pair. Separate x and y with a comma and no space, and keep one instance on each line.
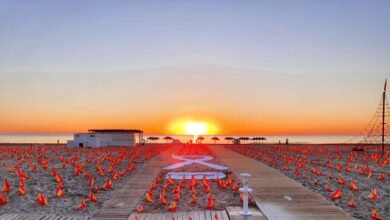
(76,167)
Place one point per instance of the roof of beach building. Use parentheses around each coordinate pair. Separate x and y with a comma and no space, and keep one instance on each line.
(115,131)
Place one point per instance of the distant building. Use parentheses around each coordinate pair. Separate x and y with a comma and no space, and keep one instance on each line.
(107,137)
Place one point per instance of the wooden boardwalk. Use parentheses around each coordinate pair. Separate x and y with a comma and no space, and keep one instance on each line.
(278,196)
(195,215)
(124,201)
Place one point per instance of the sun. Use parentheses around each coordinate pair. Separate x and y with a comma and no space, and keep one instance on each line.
(193,127)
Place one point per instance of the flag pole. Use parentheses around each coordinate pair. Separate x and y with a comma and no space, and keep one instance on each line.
(383,118)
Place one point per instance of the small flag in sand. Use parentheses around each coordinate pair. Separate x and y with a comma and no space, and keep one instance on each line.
(163,201)
(6,186)
(373,196)
(374,214)
(210,203)
(193,199)
(92,196)
(148,197)
(172,207)
(381,177)
(336,195)
(59,192)
(353,186)
(340,180)
(3,200)
(351,203)
(82,204)
(327,188)
(41,199)
(141,208)
(107,185)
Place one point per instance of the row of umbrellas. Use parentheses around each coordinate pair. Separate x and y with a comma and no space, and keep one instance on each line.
(215,139)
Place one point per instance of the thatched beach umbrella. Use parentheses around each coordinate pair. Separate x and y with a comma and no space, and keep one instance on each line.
(151,139)
(229,139)
(200,139)
(167,138)
(255,139)
(215,139)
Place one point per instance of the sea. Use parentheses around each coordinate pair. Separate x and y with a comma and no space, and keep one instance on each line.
(63,138)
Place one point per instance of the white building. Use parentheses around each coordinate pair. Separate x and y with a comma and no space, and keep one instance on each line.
(106,137)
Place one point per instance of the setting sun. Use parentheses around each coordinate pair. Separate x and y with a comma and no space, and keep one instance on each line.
(193,127)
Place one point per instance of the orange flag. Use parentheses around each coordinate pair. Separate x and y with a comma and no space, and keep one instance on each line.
(22,192)
(206,188)
(351,203)
(108,184)
(193,199)
(336,195)
(353,186)
(172,207)
(59,192)
(374,215)
(177,197)
(41,199)
(91,181)
(373,196)
(235,187)
(340,180)
(210,204)
(327,188)
(148,197)
(82,204)
(162,199)
(3,200)
(141,208)
(176,189)
(6,186)
(92,196)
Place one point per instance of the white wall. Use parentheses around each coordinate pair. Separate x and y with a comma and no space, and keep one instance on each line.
(102,139)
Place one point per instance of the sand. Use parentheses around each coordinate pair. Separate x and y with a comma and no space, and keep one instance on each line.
(275,155)
(74,187)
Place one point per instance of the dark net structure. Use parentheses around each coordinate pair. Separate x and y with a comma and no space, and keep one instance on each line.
(377,132)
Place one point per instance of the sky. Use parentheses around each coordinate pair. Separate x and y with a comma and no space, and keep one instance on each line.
(247,67)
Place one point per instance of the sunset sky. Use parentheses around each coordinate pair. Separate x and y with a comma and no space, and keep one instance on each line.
(245,67)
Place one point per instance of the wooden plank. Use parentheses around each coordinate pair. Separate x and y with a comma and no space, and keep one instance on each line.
(219,215)
(207,215)
(270,186)
(225,215)
(202,215)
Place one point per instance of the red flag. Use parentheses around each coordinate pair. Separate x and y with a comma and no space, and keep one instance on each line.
(3,200)
(210,203)
(92,196)
(374,214)
(172,207)
(82,204)
(336,195)
(41,199)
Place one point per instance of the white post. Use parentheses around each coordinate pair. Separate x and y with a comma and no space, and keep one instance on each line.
(246,190)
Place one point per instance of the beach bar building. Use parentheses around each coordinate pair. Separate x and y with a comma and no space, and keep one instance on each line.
(107,137)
